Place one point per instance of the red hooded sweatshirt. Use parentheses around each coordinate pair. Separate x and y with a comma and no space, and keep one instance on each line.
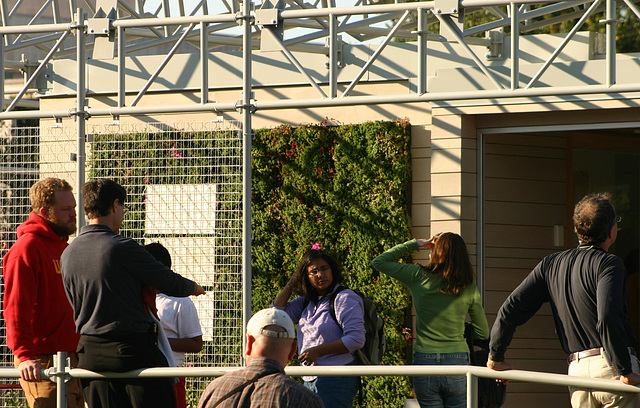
(37,313)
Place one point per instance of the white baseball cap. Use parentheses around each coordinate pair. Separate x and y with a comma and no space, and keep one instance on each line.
(271,317)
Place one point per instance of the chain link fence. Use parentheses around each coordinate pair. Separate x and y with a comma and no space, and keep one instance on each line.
(184,185)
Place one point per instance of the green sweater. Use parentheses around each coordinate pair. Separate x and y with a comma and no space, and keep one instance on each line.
(440,316)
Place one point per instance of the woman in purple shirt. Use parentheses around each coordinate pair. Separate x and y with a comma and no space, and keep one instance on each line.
(321,339)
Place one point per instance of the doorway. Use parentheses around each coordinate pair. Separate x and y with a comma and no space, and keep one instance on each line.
(529,178)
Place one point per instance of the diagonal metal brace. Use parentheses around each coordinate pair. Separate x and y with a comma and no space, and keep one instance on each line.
(459,37)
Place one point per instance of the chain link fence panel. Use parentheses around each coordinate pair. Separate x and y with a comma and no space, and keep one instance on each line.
(184,185)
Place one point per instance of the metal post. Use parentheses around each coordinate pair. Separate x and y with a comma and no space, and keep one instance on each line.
(333,56)
(480,185)
(121,67)
(247,134)
(60,365)
(2,70)
(80,111)
(515,46)
(422,51)
(472,391)
(611,22)
(204,63)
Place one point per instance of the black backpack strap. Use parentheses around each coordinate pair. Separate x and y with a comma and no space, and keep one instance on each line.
(242,386)
(332,301)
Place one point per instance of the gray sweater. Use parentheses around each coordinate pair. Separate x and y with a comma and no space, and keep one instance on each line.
(103,275)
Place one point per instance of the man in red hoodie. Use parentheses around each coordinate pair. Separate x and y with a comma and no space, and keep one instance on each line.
(38,315)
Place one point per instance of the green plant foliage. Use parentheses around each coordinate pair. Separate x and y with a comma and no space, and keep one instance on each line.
(344,187)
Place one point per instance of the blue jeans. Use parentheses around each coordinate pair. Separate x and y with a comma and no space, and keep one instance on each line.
(441,391)
(335,391)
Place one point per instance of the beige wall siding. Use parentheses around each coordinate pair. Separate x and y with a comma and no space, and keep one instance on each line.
(420,182)
(453,175)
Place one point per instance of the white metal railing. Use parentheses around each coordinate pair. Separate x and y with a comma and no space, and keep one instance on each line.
(62,373)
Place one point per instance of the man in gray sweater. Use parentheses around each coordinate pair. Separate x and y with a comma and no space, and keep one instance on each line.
(103,275)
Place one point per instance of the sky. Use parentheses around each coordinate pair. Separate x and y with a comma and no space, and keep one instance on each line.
(214,5)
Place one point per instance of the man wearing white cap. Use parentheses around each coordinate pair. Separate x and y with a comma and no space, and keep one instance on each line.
(271,345)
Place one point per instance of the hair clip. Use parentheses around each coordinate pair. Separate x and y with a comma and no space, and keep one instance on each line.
(316,246)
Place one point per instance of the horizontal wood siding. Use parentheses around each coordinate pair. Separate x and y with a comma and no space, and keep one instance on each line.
(525,196)
(420,181)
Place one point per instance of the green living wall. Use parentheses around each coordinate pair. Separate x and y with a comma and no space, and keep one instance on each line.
(346,188)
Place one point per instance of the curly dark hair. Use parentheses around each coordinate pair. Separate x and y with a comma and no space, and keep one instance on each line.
(593,218)
(301,283)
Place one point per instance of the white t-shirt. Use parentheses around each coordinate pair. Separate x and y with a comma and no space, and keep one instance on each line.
(179,320)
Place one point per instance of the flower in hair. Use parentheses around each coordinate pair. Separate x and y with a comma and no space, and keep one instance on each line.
(316,246)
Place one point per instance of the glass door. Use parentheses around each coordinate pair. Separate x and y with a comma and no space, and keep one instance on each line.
(618,172)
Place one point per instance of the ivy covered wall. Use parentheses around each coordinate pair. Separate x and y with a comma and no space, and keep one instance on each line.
(346,188)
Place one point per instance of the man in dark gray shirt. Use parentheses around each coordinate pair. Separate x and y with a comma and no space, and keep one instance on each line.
(103,275)
(586,287)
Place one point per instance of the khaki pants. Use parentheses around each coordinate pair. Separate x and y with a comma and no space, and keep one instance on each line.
(42,394)
(597,367)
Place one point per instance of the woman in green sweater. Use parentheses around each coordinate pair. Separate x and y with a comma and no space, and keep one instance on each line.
(443,292)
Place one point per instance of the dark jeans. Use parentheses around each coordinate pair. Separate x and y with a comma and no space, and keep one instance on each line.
(441,391)
(335,392)
(120,354)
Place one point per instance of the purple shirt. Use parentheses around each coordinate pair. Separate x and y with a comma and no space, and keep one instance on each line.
(316,326)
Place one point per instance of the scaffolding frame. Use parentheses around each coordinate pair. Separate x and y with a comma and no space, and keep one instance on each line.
(117,22)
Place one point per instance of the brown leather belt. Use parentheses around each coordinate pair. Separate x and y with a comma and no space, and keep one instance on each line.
(584,354)
(593,352)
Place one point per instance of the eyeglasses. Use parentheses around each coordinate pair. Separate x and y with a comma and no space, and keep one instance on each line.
(618,219)
(316,271)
